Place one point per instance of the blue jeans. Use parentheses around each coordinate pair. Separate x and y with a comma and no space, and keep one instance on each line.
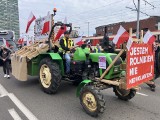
(68,61)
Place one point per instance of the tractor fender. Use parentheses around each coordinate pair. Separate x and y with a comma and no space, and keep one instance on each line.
(55,56)
(80,86)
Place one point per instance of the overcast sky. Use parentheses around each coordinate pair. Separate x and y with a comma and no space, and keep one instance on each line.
(79,12)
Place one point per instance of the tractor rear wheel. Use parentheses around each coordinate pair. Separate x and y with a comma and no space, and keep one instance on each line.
(49,76)
(92,100)
(124,94)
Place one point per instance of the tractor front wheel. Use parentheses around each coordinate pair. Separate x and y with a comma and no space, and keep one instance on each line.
(92,100)
(124,94)
(49,76)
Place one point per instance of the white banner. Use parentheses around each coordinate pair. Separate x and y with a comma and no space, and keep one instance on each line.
(102,62)
(39,26)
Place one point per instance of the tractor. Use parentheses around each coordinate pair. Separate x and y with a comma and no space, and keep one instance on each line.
(85,72)
(50,66)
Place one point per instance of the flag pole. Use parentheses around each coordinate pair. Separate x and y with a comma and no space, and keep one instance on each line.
(138,13)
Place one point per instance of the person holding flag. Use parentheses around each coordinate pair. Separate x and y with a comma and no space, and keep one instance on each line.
(66,46)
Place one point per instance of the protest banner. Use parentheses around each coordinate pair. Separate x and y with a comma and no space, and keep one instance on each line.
(140,64)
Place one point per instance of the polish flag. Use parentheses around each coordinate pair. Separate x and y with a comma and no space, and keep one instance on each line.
(61,30)
(30,20)
(121,37)
(21,40)
(5,43)
(78,41)
(46,25)
(149,38)
(129,43)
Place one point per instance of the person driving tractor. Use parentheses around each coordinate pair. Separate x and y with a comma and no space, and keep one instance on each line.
(66,45)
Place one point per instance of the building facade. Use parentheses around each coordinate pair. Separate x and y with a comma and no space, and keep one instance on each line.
(151,23)
(9,16)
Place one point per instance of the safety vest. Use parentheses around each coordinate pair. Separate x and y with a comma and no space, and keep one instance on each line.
(96,49)
(70,44)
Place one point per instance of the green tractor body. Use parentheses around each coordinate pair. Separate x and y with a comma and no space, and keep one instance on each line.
(114,71)
(80,54)
(78,57)
(33,65)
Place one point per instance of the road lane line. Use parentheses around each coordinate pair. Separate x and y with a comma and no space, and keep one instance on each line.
(3,96)
(14,114)
(21,106)
(17,102)
(3,91)
(141,94)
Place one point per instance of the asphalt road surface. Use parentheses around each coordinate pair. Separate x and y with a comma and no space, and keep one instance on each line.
(25,100)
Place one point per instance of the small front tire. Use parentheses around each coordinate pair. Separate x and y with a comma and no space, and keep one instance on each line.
(92,100)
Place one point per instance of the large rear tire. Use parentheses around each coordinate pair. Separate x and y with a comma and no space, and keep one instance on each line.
(49,76)
(124,94)
(92,100)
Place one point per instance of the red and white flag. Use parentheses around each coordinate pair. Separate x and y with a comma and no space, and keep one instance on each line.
(47,24)
(129,43)
(21,40)
(28,42)
(5,43)
(149,38)
(30,20)
(61,30)
(78,41)
(121,37)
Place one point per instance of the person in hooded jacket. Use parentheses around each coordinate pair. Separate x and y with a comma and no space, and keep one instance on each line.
(5,57)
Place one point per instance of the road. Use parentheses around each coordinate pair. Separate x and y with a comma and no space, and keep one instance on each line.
(25,100)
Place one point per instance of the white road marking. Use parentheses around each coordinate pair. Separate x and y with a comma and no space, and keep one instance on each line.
(2,96)
(21,106)
(3,91)
(14,114)
(17,102)
(141,94)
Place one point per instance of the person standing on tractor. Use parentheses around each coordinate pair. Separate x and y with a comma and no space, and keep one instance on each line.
(66,46)
(106,46)
(97,49)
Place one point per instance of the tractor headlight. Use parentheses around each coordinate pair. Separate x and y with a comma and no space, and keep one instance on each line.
(116,69)
(89,66)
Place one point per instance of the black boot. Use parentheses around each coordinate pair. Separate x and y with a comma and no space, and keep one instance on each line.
(152,87)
